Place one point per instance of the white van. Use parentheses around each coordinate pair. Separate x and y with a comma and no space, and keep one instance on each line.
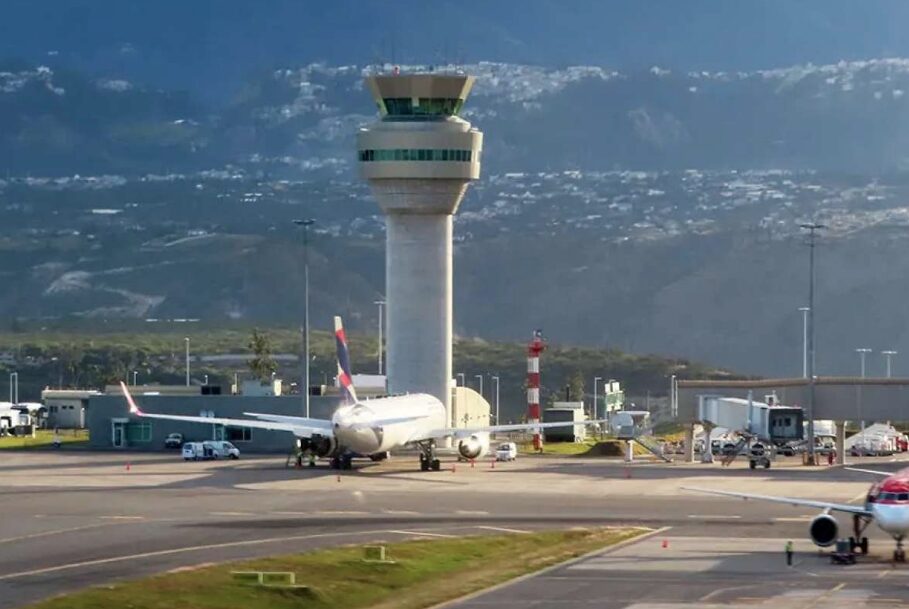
(193,451)
(507,451)
(221,450)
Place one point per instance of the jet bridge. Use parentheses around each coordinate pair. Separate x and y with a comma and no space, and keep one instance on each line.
(766,422)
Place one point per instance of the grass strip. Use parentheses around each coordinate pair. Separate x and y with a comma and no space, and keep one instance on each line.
(418,574)
(44,438)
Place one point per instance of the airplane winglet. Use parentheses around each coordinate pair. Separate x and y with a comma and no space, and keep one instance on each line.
(133,408)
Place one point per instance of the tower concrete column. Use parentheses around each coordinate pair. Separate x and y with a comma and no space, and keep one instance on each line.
(689,443)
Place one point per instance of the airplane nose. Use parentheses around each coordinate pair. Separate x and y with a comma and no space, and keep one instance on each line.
(893,519)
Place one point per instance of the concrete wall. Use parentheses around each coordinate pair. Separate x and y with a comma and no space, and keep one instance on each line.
(102,410)
(836,398)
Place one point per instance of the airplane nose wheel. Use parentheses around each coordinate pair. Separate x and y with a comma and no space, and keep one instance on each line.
(899,555)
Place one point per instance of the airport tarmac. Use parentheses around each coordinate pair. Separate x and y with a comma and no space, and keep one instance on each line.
(73,519)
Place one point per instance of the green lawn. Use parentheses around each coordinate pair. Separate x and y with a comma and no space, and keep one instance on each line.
(44,438)
(423,573)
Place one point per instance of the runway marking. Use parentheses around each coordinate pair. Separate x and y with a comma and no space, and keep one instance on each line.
(231,514)
(57,532)
(122,517)
(187,549)
(341,513)
(715,516)
(472,512)
(503,529)
(401,512)
(883,574)
(423,534)
(793,519)
(292,513)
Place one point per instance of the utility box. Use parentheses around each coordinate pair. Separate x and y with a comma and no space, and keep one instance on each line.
(565,412)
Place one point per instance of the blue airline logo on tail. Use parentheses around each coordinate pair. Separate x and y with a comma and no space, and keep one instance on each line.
(345,378)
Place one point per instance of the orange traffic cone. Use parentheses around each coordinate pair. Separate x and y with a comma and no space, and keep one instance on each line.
(665,543)
(127,466)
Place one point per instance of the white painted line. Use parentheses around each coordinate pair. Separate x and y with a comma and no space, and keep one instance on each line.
(292,513)
(423,534)
(231,514)
(793,519)
(340,513)
(714,516)
(401,512)
(472,513)
(122,517)
(187,549)
(56,532)
(502,529)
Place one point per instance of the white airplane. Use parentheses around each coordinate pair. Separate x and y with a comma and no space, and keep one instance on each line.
(887,504)
(370,428)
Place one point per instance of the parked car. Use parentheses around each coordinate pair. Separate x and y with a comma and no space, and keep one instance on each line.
(221,450)
(193,451)
(174,440)
(507,451)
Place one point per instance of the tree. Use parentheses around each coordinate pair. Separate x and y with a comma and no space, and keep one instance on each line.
(262,365)
(576,386)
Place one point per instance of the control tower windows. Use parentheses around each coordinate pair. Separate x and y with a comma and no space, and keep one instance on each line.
(422,106)
(416,154)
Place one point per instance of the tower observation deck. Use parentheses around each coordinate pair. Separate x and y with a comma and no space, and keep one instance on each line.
(419,158)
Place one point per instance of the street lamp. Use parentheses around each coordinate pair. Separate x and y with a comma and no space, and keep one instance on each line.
(804,311)
(496,379)
(888,355)
(812,229)
(206,380)
(305,224)
(14,383)
(480,378)
(461,376)
(596,384)
(862,351)
(381,304)
(135,374)
(186,340)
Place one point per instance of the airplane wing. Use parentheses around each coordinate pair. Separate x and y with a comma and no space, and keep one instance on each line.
(821,505)
(299,429)
(326,425)
(463,432)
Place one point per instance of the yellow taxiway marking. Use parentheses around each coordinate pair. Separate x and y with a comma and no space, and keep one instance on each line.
(861,495)
(793,519)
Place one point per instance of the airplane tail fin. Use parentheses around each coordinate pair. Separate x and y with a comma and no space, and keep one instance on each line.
(345,378)
(133,408)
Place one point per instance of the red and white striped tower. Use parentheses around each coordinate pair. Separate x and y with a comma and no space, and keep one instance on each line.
(534,349)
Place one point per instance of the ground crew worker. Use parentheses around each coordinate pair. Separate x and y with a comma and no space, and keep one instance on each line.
(789,553)
(312,459)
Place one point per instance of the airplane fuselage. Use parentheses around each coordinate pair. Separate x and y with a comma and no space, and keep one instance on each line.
(360,427)
(888,501)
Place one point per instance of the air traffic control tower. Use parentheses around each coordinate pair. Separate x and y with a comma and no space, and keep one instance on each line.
(419,158)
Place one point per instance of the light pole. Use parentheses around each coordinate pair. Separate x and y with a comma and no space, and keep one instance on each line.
(596,384)
(862,351)
(206,380)
(186,340)
(888,355)
(381,304)
(135,374)
(804,311)
(812,229)
(496,379)
(14,384)
(305,389)
(461,376)
(480,378)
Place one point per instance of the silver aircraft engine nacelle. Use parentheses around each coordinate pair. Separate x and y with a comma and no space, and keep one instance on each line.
(474,447)
(823,530)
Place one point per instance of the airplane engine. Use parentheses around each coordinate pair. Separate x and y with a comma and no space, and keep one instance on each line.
(474,447)
(823,530)
(324,446)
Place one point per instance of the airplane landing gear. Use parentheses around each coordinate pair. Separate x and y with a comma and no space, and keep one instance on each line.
(899,554)
(859,524)
(428,460)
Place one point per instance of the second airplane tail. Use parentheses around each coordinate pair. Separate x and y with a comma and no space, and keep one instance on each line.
(345,378)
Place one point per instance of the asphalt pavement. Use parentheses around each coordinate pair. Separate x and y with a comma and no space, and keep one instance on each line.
(74,519)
